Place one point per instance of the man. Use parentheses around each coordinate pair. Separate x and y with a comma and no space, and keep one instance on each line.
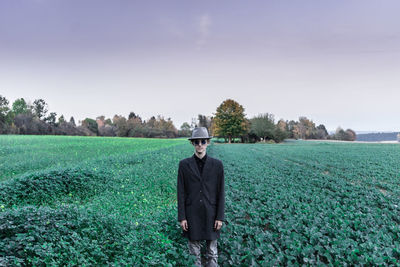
(201,198)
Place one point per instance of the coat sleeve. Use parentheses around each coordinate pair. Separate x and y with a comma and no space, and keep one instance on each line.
(221,196)
(181,194)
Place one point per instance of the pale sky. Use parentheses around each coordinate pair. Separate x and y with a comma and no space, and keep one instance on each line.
(335,62)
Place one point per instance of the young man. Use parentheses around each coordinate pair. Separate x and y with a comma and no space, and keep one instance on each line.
(201,198)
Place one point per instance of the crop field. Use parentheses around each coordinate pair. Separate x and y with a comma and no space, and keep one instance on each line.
(112,201)
(311,203)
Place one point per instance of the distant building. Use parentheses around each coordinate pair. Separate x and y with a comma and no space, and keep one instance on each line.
(398,137)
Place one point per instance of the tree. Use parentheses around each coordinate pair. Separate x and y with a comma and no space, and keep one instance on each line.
(5,115)
(20,107)
(282,125)
(72,121)
(291,127)
(135,126)
(122,127)
(51,119)
(230,120)
(263,126)
(90,124)
(105,127)
(4,109)
(322,133)
(281,131)
(167,127)
(108,122)
(61,119)
(132,115)
(159,127)
(339,134)
(350,135)
(40,108)
(280,135)
(307,128)
(67,128)
(185,130)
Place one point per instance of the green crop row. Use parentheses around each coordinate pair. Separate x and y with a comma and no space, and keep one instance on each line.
(19,154)
(48,187)
(305,203)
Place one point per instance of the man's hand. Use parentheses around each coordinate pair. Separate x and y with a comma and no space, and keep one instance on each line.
(184,225)
(217,225)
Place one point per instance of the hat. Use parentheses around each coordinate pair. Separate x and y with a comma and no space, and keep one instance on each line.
(200,133)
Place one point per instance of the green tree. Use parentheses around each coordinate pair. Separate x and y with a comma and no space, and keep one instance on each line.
(51,119)
(280,135)
(40,108)
(4,109)
(20,107)
(263,126)
(108,121)
(230,120)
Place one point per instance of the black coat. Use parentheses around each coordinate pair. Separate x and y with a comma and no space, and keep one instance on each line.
(201,198)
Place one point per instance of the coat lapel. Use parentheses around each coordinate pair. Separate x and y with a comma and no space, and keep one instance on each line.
(207,166)
(195,169)
(193,166)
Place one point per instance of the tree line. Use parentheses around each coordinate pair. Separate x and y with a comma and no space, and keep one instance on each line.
(34,118)
(229,122)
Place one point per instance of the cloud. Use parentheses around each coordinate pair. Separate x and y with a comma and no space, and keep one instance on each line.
(203,28)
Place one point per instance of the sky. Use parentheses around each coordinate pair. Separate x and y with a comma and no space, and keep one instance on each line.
(335,62)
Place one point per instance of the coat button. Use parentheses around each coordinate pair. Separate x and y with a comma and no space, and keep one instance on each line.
(200,200)
(200,191)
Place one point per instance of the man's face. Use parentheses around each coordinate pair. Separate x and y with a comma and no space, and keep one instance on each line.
(200,145)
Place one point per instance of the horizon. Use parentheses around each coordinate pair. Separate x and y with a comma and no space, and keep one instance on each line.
(79,120)
(334,62)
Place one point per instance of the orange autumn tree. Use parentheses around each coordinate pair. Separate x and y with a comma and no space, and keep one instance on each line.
(230,120)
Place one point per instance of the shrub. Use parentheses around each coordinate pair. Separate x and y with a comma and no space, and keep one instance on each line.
(64,236)
(45,187)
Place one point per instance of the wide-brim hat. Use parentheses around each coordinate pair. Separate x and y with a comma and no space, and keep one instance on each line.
(200,133)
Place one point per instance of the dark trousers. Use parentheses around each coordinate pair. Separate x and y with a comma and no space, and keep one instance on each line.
(212,252)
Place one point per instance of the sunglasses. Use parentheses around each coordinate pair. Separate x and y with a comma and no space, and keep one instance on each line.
(202,141)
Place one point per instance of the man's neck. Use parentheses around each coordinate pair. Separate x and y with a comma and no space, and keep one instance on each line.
(200,156)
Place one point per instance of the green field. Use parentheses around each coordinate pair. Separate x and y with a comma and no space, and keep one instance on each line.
(112,201)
